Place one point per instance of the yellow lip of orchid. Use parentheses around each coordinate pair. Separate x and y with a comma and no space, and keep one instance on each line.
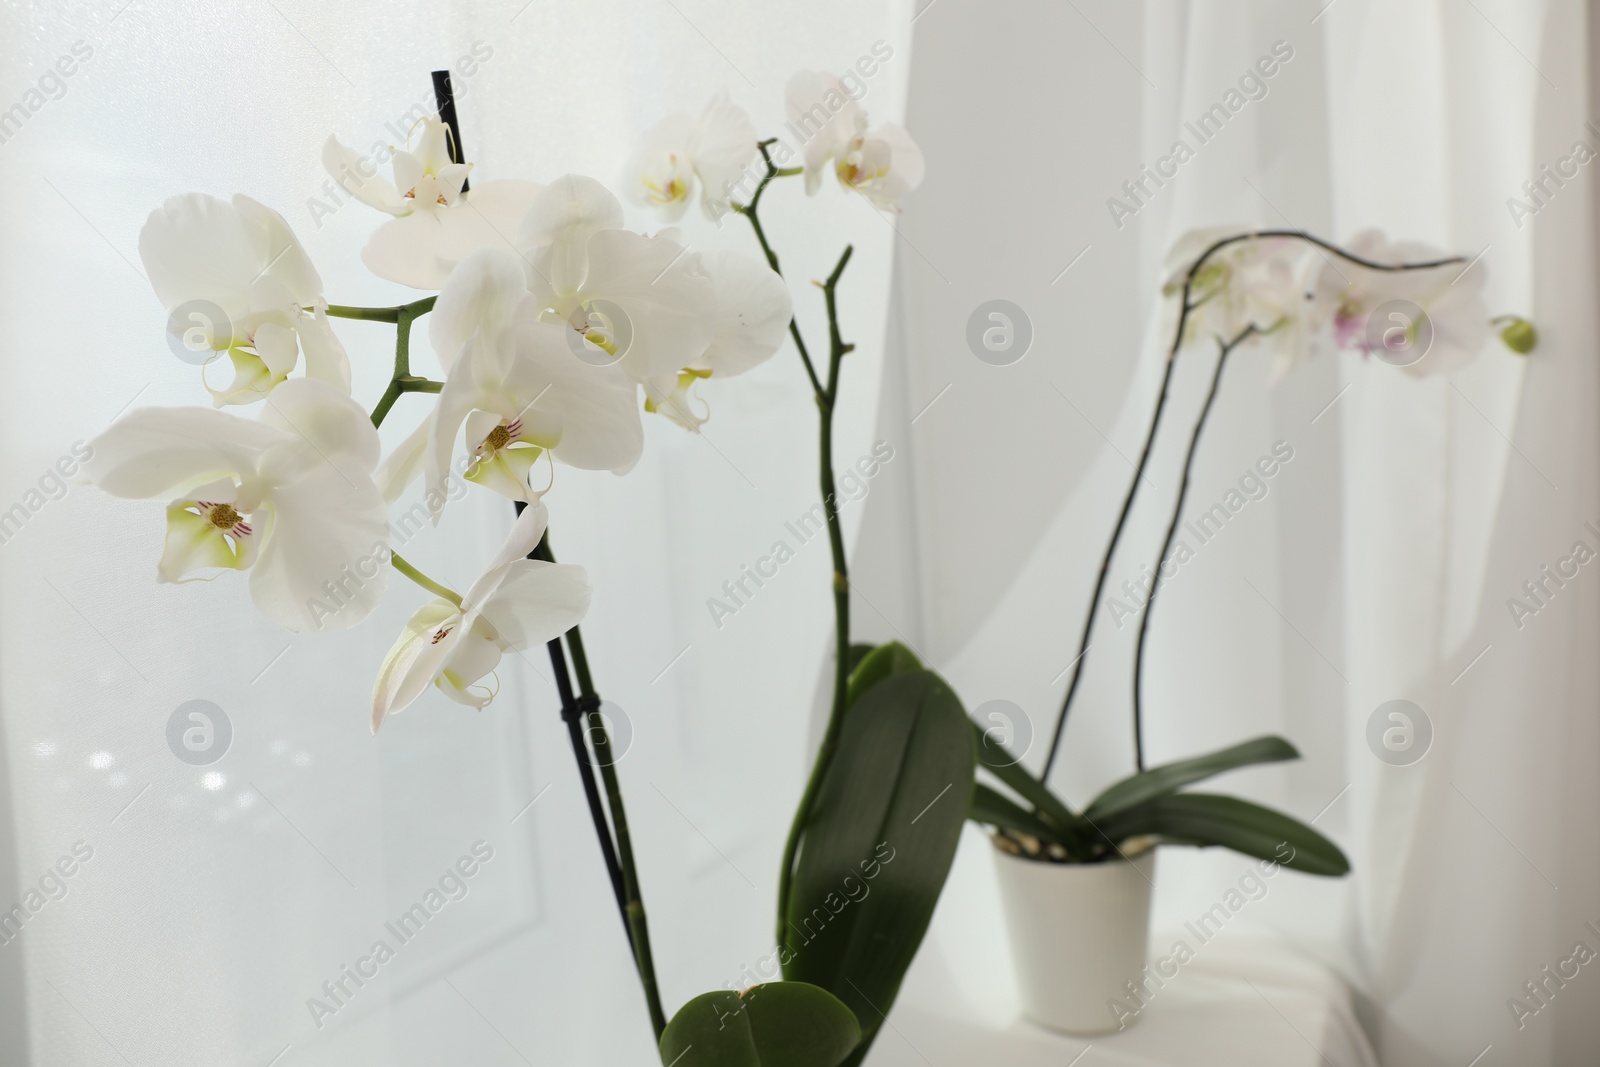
(204,534)
(674,190)
(677,403)
(288,496)
(504,458)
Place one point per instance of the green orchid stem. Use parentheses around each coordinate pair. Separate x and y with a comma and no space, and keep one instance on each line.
(750,212)
(826,397)
(402,381)
(633,913)
(415,309)
(399,563)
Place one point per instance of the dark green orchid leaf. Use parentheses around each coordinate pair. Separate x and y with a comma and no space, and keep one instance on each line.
(997,809)
(1170,777)
(879,843)
(1207,819)
(998,761)
(879,664)
(779,1024)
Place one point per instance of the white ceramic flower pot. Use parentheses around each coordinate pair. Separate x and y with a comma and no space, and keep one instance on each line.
(1079,933)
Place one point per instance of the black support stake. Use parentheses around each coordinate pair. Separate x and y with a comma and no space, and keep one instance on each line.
(445,96)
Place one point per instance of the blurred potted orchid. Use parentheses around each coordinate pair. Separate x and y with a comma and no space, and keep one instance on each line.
(1077,884)
(548,318)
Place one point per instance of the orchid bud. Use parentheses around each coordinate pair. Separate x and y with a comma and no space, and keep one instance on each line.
(1518,334)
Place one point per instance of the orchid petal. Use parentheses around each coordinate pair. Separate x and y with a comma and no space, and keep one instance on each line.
(486,216)
(523,538)
(415,659)
(480,297)
(349,172)
(195,248)
(328,428)
(752,317)
(326,359)
(457,399)
(537,601)
(278,251)
(324,551)
(474,656)
(433,147)
(165,452)
(402,466)
(563,218)
(668,394)
(667,300)
(723,146)
(405,250)
(450,178)
(597,406)
(506,472)
(252,380)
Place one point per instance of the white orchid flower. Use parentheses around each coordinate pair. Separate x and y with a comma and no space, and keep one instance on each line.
(642,302)
(517,386)
(234,279)
(753,308)
(516,603)
(1449,299)
(289,497)
(752,315)
(665,315)
(714,150)
(436,224)
(883,164)
(1270,283)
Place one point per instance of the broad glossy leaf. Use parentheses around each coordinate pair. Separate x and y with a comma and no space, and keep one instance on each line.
(1207,819)
(879,664)
(857,653)
(994,758)
(1170,777)
(879,844)
(997,809)
(779,1024)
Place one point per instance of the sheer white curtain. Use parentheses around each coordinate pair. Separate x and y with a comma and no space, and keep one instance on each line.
(1380,563)
(219,899)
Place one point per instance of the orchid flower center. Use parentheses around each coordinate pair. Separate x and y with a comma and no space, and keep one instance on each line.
(501,436)
(222,516)
(440,634)
(674,190)
(850,169)
(225,517)
(411,194)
